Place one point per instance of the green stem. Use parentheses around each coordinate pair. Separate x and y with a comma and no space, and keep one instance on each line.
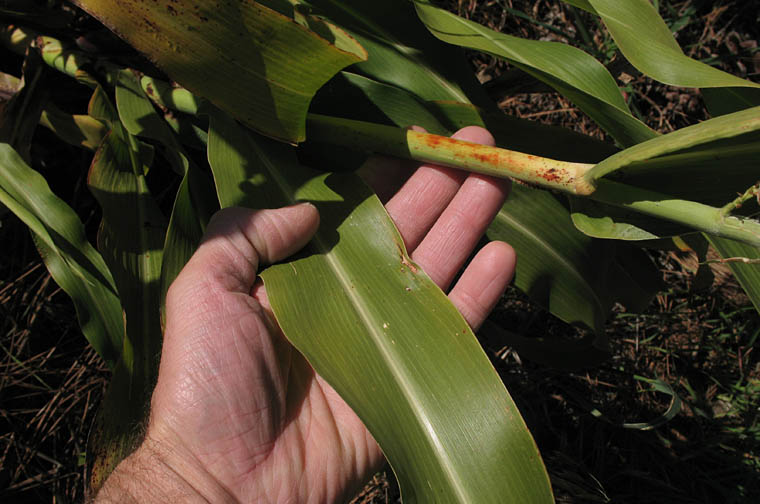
(690,213)
(752,192)
(427,148)
(65,60)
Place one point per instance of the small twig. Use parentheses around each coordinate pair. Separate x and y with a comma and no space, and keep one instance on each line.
(752,192)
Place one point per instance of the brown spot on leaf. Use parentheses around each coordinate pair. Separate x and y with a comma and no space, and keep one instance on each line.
(409,265)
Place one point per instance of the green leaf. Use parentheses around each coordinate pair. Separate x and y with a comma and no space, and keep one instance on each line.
(574,277)
(73,263)
(239,55)
(604,221)
(570,71)
(721,102)
(78,130)
(367,318)
(402,53)
(525,217)
(686,162)
(194,202)
(673,408)
(647,42)
(354,96)
(558,263)
(131,239)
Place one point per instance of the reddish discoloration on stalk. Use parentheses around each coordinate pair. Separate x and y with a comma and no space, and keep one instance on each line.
(434,141)
(551,175)
(483,154)
(491,158)
(494,161)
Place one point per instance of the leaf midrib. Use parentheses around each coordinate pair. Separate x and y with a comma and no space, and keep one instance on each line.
(390,357)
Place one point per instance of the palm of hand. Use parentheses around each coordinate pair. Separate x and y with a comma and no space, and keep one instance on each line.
(237,404)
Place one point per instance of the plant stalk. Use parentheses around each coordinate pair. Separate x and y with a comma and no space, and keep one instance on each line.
(427,148)
(702,217)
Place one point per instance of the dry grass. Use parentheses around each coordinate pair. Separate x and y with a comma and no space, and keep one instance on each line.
(50,380)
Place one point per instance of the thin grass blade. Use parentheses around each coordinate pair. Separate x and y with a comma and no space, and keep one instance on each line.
(570,71)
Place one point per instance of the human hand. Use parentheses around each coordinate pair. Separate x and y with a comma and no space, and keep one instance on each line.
(237,413)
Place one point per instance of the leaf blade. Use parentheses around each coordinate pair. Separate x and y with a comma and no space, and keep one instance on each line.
(367,318)
(647,42)
(72,261)
(236,54)
(570,71)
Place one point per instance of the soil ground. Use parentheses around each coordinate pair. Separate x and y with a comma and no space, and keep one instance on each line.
(699,340)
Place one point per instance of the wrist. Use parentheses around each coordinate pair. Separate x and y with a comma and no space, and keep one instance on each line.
(156,473)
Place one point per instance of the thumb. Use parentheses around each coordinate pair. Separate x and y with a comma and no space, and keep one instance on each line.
(238,239)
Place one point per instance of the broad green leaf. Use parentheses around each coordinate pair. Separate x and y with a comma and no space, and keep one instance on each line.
(78,130)
(647,42)
(73,263)
(354,96)
(131,238)
(237,54)
(194,202)
(739,257)
(711,173)
(570,71)
(402,53)
(576,278)
(367,318)
(192,209)
(357,97)
(727,136)
(528,214)
(558,263)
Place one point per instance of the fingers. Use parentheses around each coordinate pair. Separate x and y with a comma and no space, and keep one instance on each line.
(483,282)
(238,239)
(450,241)
(426,194)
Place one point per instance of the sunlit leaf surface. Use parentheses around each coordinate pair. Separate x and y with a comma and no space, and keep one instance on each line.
(383,335)
(237,54)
